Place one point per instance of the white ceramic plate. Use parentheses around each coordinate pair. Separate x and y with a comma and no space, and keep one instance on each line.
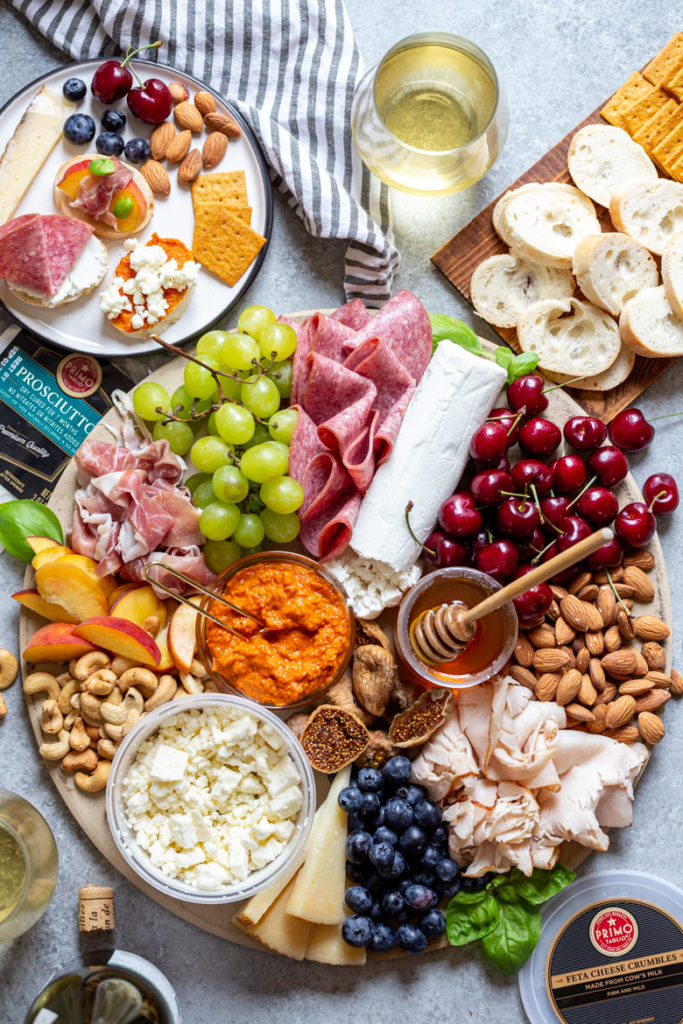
(81,326)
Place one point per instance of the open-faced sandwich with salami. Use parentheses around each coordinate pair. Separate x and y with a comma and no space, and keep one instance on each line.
(109,195)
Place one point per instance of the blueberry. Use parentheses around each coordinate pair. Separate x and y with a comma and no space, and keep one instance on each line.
(439,836)
(79,129)
(357,931)
(381,855)
(398,813)
(354,821)
(413,842)
(430,858)
(350,799)
(433,924)
(385,835)
(397,770)
(415,794)
(427,815)
(425,877)
(370,806)
(370,780)
(380,818)
(474,884)
(357,846)
(375,913)
(447,870)
(409,938)
(74,89)
(396,869)
(448,889)
(356,872)
(359,899)
(405,883)
(109,144)
(383,938)
(392,903)
(113,121)
(419,897)
(137,151)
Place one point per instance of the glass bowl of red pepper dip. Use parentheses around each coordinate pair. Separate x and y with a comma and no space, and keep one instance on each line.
(308,640)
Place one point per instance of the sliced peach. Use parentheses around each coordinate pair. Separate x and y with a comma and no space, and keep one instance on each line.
(132,192)
(89,567)
(37,544)
(167,663)
(119,591)
(182,635)
(32,600)
(141,605)
(51,554)
(73,177)
(120,637)
(56,642)
(71,588)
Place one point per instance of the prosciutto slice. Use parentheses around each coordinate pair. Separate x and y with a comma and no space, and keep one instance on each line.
(95,192)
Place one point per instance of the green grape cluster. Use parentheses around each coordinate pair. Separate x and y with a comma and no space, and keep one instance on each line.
(239,446)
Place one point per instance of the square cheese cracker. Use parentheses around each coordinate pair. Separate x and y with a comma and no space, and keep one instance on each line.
(667,62)
(222,189)
(224,244)
(633,89)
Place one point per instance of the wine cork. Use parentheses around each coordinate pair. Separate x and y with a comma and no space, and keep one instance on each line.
(96,909)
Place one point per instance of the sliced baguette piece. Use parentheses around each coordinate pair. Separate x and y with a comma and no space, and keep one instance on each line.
(500,207)
(546,224)
(601,159)
(569,336)
(611,268)
(649,211)
(610,378)
(650,327)
(672,273)
(502,287)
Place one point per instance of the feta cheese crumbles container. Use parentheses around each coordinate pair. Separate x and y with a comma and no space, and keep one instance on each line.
(170,765)
(611,950)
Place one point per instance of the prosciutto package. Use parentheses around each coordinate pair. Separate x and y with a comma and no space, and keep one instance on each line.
(130,511)
(352,380)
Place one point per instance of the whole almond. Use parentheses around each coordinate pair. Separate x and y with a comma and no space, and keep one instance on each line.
(627,734)
(583,659)
(601,577)
(223,123)
(533,623)
(524,651)
(187,116)
(620,712)
(549,660)
(660,679)
(214,149)
(569,686)
(587,693)
(205,103)
(579,582)
(564,634)
(579,713)
(643,589)
(607,605)
(623,590)
(597,673)
(654,655)
(641,665)
(599,715)
(178,92)
(625,625)
(620,664)
(652,701)
(589,592)
(179,146)
(643,559)
(557,591)
(636,687)
(542,636)
(160,139)
(648,627)
(607,695)
(651,727)
(553,612)
(580,614)
(524,676)
(595,642)
(612,639)
(676,683)
(156,177)
(190,167)
(546,686)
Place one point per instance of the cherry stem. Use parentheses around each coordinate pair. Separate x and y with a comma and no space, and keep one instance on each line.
(565,384)
(665,416)
(129,54)
(513,494)
(542,551)
(658,495)
(616,593)
(582,491)
(409,509)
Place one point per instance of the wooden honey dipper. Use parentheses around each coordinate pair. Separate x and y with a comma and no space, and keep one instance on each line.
(440,633)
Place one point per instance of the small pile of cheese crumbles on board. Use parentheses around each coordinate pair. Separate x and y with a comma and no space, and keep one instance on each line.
(212,796)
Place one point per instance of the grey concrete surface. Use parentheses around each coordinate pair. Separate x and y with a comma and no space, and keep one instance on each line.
(557,61)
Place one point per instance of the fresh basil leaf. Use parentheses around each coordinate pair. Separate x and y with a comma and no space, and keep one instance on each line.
(463,898)
(541,885)
(503,356)
(521,364)
(467,922)
(446,328)
(510,944)
(507,894)
(25,518)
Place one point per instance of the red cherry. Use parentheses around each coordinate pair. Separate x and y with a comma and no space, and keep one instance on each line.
(518,518)
(480,540)
(530,471)
(635,524)
(511,422)
(661,493)
(585,433)
(111,82)
(598,505)
(152,103)
(487,486)
(539,437)
(569,474)
(609,464)
(527,393)
(630,431)
(458,516)
(535,601)
(532,546)
(553,509)
(574,529)
(489,443)
(448,551)
(478,465)
(498,559)
(609,556)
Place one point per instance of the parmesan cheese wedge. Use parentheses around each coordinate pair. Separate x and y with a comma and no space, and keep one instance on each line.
(318,891)
(34,139)
(279,931)
(326,946)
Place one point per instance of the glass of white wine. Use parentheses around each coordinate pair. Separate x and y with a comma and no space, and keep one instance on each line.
(431,116)
(29,865)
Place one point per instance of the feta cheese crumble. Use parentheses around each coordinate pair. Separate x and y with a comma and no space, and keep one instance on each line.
(143,293)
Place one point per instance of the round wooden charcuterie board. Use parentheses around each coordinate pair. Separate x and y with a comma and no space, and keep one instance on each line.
(89,810)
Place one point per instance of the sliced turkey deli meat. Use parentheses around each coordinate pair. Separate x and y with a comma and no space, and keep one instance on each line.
(453,399)
(37,251)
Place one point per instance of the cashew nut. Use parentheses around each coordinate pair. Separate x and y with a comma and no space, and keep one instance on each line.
(56,749)
(42,682)
(75,701)
(142,678)
(116,714)
(80,761)
(101,683)
(97,781)
(71,718)
(89,663)
(197,669)
(210,686)
(64,678)
(152,625)
(70,686)
(91,709)
(120,664)
(190,683)
(107,748)
(165,691)
(52,719)
(3,706)
(78,737)
(72,665)
(116,696)
(8,668)
(93,732)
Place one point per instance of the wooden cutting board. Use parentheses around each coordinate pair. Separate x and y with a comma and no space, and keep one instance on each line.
(477,241)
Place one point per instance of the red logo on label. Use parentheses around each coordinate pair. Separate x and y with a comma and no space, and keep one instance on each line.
(613,931)
(79,376)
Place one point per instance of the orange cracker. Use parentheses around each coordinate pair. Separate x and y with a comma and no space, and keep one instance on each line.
(667,61)
(228,188)
(670,162)
(665,150)
(224,244)
(674,85)
(640,112)
(676,170)
(659,126)
(633,88)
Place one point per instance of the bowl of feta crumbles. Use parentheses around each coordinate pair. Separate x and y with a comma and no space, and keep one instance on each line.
(210,799)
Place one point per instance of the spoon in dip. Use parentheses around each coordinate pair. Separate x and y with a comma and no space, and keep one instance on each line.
(202,589)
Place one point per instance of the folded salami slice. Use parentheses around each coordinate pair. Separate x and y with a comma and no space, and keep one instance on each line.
(353,314)
(321,335)
(403,324)
(375,361)
(37,251)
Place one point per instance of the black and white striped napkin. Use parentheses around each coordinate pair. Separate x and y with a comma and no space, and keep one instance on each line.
(291,67)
